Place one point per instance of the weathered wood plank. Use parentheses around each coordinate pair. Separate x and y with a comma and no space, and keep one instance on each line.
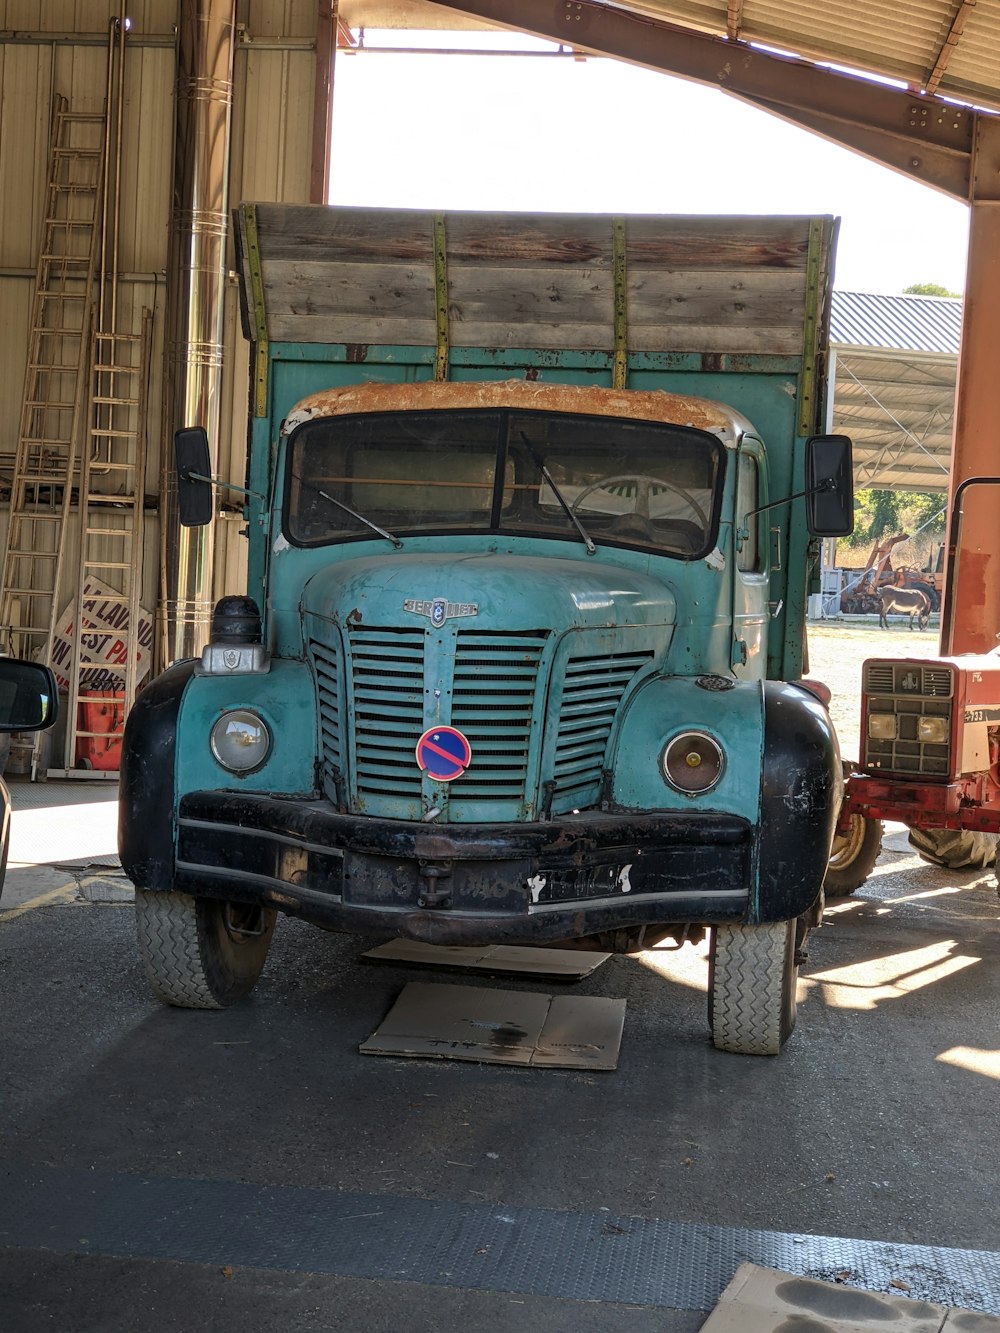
(723,243)
(291,232)
(347,275)
(292,288)
(312,288)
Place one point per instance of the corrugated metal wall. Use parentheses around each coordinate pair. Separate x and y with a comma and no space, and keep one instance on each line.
(60,47)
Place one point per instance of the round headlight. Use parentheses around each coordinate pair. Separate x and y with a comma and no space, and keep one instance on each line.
(240,741)
(693,762)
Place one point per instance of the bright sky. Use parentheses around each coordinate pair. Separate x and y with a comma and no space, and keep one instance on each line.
(599,136)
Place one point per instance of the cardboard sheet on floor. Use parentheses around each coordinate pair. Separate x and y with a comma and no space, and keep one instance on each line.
(501,1027)
(761,1300)
(568,964)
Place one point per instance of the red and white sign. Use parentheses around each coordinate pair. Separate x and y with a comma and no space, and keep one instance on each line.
(443,753)
(103,640)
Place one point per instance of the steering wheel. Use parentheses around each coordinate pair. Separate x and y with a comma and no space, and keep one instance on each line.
(643,483)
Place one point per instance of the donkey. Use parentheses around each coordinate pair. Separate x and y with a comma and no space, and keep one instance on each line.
(912,602)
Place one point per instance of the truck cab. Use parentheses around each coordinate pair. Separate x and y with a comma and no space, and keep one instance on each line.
(504,678)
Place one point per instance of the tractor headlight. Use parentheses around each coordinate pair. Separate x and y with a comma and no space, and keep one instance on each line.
(932,730)
(693,762)
(882,726)
(240,741)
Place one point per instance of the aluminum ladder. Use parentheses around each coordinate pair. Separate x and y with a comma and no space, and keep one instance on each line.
(107,643)
(55,384)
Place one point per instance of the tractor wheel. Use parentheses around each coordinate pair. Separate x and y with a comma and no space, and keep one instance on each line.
(955,849)
(751,987)
(853,856)
(200,953)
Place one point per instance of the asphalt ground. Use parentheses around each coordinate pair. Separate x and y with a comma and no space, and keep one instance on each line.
(250,1171)
(878,1123)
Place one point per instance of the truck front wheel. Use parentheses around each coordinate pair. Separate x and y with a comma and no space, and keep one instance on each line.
(199,953)
(751,987)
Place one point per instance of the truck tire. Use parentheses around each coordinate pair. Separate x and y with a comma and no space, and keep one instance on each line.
(955,849)
(751,987)
(853,856)
(200,953)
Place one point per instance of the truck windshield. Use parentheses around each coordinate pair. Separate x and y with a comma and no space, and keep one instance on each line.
(631,483)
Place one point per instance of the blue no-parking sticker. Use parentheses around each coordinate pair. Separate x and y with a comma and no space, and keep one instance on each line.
(443,753)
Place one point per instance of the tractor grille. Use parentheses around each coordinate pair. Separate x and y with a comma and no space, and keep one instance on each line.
(908,692)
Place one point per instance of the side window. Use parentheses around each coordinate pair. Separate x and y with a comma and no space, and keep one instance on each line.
(747,498)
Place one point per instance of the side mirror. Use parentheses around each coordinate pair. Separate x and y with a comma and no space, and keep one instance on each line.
(29,700)
(195,503)
(829,486)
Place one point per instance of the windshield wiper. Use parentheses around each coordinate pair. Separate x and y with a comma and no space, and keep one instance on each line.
(361,518)
(591,548)
(348,510)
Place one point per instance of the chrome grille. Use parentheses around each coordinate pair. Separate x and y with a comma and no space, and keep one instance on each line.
(387,686)
(374,706)
(593,690)
(493,705)
(326,664)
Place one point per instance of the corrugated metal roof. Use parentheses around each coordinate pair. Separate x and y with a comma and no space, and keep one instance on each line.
(894,393)
(903,323)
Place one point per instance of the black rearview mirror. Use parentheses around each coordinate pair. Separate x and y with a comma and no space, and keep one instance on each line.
(29,700)
(829,486)
(195,502)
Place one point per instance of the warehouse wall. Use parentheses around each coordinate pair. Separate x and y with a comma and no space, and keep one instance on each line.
(60,47)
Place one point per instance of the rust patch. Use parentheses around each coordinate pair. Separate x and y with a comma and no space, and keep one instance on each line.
(357,353)
(646,405)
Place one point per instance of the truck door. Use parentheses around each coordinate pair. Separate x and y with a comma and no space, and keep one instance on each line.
(750,575)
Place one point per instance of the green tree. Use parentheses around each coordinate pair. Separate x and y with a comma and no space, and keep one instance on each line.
(881,513)
(928,289)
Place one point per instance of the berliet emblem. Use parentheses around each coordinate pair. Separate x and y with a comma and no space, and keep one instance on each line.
(439,609)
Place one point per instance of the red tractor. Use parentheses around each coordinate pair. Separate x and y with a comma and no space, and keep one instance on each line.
(929,755)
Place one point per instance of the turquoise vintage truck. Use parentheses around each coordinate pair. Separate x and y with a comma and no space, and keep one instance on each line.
(532,504)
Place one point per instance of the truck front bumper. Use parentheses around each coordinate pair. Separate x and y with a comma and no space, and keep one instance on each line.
(453,884)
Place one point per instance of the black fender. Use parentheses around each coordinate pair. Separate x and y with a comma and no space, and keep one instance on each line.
(146,780)
(801,790)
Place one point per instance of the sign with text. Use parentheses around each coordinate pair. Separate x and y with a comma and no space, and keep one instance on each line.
(103,640)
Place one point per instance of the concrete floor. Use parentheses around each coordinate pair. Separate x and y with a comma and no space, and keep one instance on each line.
(249,1170)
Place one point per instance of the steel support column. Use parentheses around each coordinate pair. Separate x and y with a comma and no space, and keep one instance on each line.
(196,281)
(974,605)
(326,55)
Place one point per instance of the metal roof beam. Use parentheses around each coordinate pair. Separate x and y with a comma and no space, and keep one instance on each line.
(734,19)
(965,8)
(921,136)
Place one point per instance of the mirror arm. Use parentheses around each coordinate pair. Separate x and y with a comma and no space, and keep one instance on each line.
(217,481)
(828,485)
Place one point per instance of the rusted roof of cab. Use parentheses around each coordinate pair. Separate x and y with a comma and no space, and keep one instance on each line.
(656,405)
